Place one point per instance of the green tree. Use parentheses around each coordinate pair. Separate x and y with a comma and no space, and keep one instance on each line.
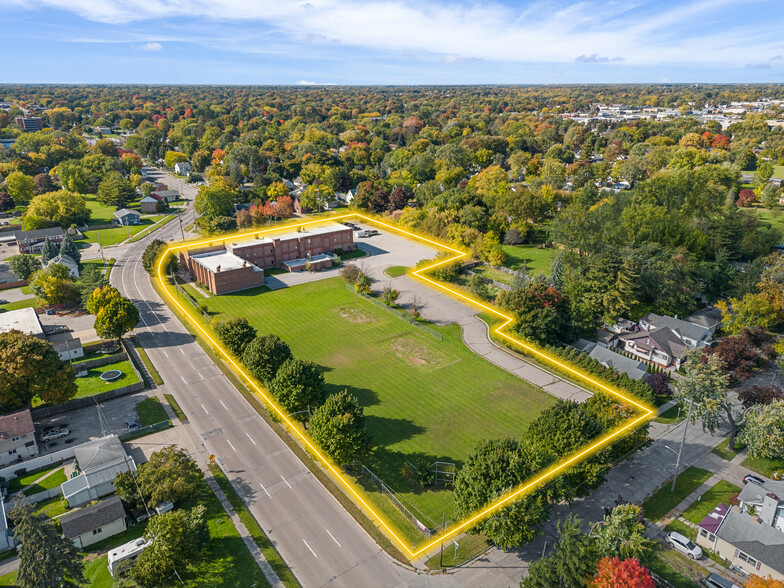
(763,431)
(48,251)
(176,539)
(115,190)
(100,298)
(173,157)
(570,565)
(54,285)
(169,474)
(23,266)
(62,208)
(215,201)
(264,356)
(235,334)
(20,187)
(622,534)
(389,296)
(150,258)
(316,196)
(338,426)
(68,247)
(46,558)
(116,318)
(769,196)
(91,278)
(298,385)
(73,177)
(542,313)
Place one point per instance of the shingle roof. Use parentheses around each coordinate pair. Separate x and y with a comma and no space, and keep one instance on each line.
(762,542)
(39,233)
(93,517)
(125,212)
(664,338)
(684,328)
(98,452)
(16,423)
(714,518)
(755,493)
(707,317)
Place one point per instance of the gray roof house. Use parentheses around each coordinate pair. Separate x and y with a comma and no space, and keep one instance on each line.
(620,363)
(99,462)
(691,334)
(661,346)
(94,523)
(749,543)
(765,501)
(709,318)
(126,216)
(67,261)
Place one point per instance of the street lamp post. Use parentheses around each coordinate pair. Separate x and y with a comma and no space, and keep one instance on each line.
(683,440)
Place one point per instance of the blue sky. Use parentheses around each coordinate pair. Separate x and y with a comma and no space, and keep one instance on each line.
(390,41)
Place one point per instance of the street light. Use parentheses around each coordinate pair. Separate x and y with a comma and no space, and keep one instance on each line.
(683,440)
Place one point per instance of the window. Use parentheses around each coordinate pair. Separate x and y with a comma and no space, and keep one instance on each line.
(15,438)
(98,530)
(12,452)
(747,558)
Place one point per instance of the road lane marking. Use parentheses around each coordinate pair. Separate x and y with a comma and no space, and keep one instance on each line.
(183,379)
(311,549)
(289,485)
(251,438)
(205,410)
(223,405)
(232,446)
(265,490)
(333,537)
(183,352)
(166,354)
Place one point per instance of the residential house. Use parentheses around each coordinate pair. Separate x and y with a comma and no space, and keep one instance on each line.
(94,523)
(707,318)
(149,204)
(126,217)
(22,319)
(17,437)
(98,462)
(167,195)
(33,241)
(69,349)
(661,346)
(6,539)
(636,370)
(183,168)
(763,501)
(622,325)
(746,541)
(691,334)
(67,261)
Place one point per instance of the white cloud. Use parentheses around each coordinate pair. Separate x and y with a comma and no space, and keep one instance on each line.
(306,83)
(152,46)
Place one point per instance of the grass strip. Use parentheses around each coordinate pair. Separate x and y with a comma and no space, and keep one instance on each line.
(262,541)
(154,227)
(49,482)
(17,484)
(176,408)
(672,415)
(663,501)
(156,377)
(151,411)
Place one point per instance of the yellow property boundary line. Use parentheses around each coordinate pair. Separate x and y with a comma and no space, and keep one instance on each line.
(527,487)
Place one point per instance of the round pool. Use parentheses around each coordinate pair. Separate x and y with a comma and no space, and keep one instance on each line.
(111,375)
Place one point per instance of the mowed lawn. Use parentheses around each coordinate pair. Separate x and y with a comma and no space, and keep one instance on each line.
(119,234)
(536,260)
(424,399)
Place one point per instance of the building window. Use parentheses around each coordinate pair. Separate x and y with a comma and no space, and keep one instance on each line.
(98,530)
(12,452)
(747,558)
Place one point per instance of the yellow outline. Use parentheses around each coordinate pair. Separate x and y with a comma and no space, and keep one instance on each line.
(539,480)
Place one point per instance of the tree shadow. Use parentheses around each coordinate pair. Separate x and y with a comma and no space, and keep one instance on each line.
(365,396)
(386,431)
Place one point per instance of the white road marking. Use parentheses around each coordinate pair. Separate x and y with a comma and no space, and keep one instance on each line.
(251,438)
(223,405)
(311,549)
(289,485)
(232,446)
(183,379)
(164,352)
(183,351)
(205,410)
(333,538)
(265,490)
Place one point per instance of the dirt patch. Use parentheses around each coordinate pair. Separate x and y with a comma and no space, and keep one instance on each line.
(418,353)
(354,315)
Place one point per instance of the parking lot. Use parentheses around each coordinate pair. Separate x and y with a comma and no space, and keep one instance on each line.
(79,325)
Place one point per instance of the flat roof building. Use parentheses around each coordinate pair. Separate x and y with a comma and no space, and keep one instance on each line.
(24,320)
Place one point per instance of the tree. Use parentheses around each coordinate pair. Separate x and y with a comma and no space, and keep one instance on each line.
(338,426)
(23,266)
(759,395)
(264,356)
(542,313)
(150,258)
(763,432)
(176,539)
(116,318)
(769,196)
(753,310)
(660,384)
(214,201)
(61,208)
(6,202)
(54,285)
(91,278)
(746,198)
(30,368)
(390,296)
(46,558)
(622,534)
(115,190)
(48,251)
(705,385)
(767,582)
(235,334)
(614,573)
(316,196)
(298,385)
(569,566)
(173,157)
(69,248)
(169,474)
(101,298)
(20,187)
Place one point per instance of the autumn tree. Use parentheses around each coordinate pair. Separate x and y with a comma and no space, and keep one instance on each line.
(116,318)
(542,313)
(622,534)
(20,186)
(759,395)
(616,573)
(6,202)
(54,284)
(767,582)
(62,208)
(101,298)
(214,201)
(30,368)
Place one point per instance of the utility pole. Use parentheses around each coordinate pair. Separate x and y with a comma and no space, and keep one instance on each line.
(683,440)
(179,218)
(100,248)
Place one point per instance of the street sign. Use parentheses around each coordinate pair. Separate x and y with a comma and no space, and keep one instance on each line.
(212,458)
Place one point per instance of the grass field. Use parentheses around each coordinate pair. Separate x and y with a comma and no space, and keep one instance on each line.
(536,260)
(494,274)
(672,415)
(764,466)
(16,305)
(151,411)
(663,501)
(92,383)
(119,234)
(100,214)
(424,399)
(720,493)
(17,484)
(769,219)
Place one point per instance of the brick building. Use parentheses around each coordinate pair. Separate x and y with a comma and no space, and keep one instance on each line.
(33,241)
(238,266)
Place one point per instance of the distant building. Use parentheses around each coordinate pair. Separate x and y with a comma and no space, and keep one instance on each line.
(149,204)
(183,168)
(98,462)
(126,217)
(94,523)
(33,241)
(636,370)
(167,195)
(30,124)
(17,437)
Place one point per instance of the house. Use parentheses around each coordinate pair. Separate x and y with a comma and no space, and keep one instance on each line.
(125,552)
(707,318)
(17,437)
(33,241)
(622,325)
(24,320)
(763,500)
(661,346)
(68,262)
(167,195)
(69,349)
(98,462)
(691,334)
(238,266)
(94,523)
(745,541)
(6,539)
(149,204)
(126,216)
(183,168)
(620,363)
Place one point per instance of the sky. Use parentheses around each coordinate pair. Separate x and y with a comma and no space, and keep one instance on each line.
(390,41)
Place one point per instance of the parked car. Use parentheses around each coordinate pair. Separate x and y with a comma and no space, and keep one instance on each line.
(716,581)
(363,234)
(164,506)
(3,301)
(55,434)
(753,479)
(132,425)
(373,232)
(684,545)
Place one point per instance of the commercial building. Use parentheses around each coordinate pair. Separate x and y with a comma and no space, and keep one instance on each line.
(24,320)
(30,124)
(238,266)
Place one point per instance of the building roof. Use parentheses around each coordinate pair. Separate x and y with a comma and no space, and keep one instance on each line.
(707,317)
(681,328)
(65,260)
(664,338)
(760,541)
(14,424)
(712,521)
(608,358)
(125,212)
(23,319)
(67,344)
(39,234)
(150,199)
(755,493)
(95,453)
(93,517)
(220,259)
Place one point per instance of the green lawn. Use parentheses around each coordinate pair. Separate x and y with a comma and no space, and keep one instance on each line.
(156,377)
(176,408)
(151,411)
(96,572)
(394,271)
(720,493)
(764,466)
(494,274)
(100,214)
(17,484)
(423,398)
(671,416)
(119,234)
(52,507)
(663,501)
(536,260)
(16,305)
(724,452)
(92,383)
(51,481)
(677,569)
(767,218)
(165,221)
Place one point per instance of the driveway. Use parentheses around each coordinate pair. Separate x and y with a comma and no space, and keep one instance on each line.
(80,326)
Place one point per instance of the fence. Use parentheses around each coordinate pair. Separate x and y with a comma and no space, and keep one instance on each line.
(99,361)
(192,300)
(16,284)
(37,463)
(45,495)
(146,430)
(443,472)
(397,313)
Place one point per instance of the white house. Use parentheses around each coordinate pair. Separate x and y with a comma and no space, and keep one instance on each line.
(99,462)
(17,437)
(94,523)
(693,335)
(182,169)
(68,262)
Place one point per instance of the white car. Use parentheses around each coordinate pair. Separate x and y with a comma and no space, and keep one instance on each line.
(684,545)
(55,434)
